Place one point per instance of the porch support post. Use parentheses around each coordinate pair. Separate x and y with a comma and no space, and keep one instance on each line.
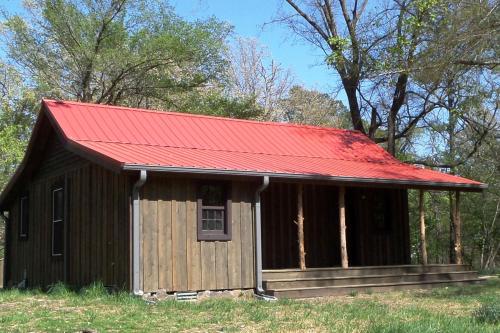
(343,239)
(300,225)
(423,244)
(457,226)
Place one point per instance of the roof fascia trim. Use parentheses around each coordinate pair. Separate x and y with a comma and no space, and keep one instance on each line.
(352,180)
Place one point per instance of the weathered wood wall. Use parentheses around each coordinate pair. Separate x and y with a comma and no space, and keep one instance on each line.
(173,258)
(367,245)
(97,222)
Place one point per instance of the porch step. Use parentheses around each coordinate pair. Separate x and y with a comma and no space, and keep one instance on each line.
(335,272)
(365,288)
(308,282)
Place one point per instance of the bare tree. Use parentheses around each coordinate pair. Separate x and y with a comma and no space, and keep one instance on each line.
(375,53)
(253,73)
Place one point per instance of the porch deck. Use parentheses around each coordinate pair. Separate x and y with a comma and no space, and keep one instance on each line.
(316,282)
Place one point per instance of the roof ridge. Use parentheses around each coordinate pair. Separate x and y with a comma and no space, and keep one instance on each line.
(185,114)
(392,162)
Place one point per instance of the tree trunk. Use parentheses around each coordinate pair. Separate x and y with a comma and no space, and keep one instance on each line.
(350,87)
(343,238)
(457,225)
(397,101)
(300,224)
(423,244)
(451,244)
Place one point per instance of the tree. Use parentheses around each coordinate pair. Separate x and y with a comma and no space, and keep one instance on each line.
(136,53)
(215,102)
(18,108)
(312,107)
(376,52)
(253,74)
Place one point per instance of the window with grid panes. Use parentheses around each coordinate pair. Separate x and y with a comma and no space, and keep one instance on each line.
(213,211)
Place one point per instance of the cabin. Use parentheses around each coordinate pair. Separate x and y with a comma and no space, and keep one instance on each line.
(150,201)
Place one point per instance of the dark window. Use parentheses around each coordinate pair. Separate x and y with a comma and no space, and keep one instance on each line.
(24,217)
(58,221)
(381,212)
(214,204)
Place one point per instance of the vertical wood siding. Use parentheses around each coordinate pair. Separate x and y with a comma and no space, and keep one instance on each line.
(172,257)
(97,223)
(366,245)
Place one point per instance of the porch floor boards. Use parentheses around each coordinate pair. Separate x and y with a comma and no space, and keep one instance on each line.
(316,282)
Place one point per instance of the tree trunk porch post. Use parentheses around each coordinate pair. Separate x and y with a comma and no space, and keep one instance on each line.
(457,226)
(300,225)
(423,244)
(343,241)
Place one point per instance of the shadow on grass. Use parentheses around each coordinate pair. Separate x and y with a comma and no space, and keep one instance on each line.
(486,288)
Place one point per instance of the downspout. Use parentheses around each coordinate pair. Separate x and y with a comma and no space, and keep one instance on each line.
(258,243)
(136,234)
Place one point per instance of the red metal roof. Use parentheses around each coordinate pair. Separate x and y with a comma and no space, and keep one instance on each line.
(136,138)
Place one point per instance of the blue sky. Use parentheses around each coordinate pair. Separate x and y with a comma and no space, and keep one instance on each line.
(248,18)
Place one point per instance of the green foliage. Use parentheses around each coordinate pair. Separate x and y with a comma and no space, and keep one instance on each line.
(488,313)
(119,52)
(338,45)
(214,103)
(59,290)
(18,106)
(312,107)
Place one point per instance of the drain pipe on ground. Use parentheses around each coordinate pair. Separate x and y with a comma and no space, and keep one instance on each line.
(259,291)
(136,233)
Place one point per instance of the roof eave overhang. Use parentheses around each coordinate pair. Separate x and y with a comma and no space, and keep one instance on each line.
(354,181)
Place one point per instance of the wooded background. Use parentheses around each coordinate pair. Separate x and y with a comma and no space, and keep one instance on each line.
(420,77)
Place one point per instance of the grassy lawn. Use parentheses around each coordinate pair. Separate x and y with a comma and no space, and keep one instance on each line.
(456,309)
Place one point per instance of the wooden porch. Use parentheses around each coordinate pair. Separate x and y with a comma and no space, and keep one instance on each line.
(323,240)
(333,281)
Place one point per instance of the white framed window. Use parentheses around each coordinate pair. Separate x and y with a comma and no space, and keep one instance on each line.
(57,221)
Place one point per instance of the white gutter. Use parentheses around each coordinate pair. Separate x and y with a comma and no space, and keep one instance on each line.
(136,234)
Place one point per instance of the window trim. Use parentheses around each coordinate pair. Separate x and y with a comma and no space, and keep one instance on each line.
(53,221)
(204,235)
(23,234)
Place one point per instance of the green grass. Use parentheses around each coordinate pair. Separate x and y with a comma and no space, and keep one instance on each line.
(454,309)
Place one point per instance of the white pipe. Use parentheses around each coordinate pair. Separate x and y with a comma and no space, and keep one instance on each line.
(136,233)
(258,236)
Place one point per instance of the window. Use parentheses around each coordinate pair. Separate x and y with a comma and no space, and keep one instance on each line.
(382,212)
(24,217)
(214,217)
(57,222)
